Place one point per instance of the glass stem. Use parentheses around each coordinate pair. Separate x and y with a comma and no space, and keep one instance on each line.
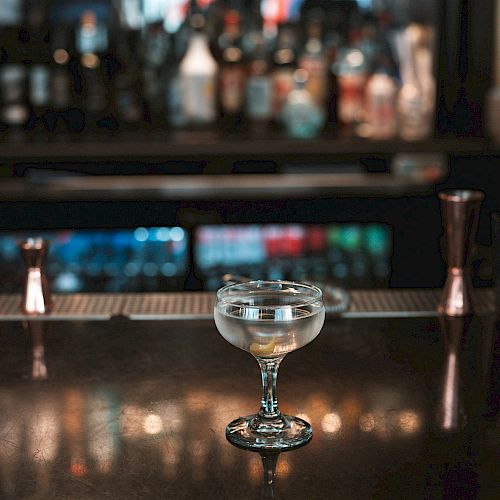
(269,373)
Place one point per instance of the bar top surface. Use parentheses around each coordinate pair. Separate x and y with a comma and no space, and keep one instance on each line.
(138,409)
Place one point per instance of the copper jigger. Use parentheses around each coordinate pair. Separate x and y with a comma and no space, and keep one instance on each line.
(460,214)
(36,295)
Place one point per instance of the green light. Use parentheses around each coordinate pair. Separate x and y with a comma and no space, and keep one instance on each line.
(351,238)
(334,236)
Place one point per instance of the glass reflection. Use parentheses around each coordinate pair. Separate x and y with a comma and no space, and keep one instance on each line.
(172,446)
(367,422)
(131,421)
(409,422)
(171,456)
(103,429)
(171,416)
(43,430)
(350,409)
(74,429)
(270,468)
(152,424)
(11,436)
(331,423)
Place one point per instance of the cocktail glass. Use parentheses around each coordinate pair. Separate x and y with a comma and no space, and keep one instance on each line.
(269,319)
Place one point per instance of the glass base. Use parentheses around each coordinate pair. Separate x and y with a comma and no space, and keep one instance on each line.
(258,433)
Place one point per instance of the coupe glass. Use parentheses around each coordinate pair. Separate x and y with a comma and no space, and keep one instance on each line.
(269,319)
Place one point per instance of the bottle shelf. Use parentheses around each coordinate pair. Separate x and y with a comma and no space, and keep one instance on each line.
(30,170)
(205,145)
(212,187)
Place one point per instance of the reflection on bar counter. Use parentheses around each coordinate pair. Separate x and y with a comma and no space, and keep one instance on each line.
(106,66)
(90,434)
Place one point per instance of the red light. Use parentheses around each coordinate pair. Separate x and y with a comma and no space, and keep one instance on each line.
(78,469)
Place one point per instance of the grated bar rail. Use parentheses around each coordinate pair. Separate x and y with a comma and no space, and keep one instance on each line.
(199,305)
(182,305)
(396,302)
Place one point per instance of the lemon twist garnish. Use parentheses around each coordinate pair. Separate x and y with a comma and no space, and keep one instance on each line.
(263,349)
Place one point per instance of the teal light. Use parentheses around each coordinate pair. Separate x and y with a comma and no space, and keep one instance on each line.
(376,239)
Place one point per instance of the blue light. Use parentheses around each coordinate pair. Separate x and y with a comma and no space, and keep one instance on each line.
(169,269)
(162,234)
(177,234)
(141,234)
(365,4)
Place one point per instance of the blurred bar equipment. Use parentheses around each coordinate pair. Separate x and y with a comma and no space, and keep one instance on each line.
(460,215)
(36,300)
(36,294)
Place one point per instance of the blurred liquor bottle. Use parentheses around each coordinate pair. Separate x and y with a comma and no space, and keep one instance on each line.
(416,98)
(352,75)
(96,65)
(154,52)
(302,116)
(128,106)
(285,64)
(14,110)
(198,76)
(175,116)
(232,71)
(38,60)
(313,57)
(65,112)
(380,100)
(259,89)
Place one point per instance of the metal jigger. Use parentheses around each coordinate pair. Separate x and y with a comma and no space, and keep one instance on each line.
(460,214)
(36,295)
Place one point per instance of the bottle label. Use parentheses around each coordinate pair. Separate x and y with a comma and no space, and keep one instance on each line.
(39,85)
(283,84)
(232,84)
(198,98)
(259,98)
(61,89)
(12,81)
(13,94)
(351,98)
(381,115)
(316,82)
